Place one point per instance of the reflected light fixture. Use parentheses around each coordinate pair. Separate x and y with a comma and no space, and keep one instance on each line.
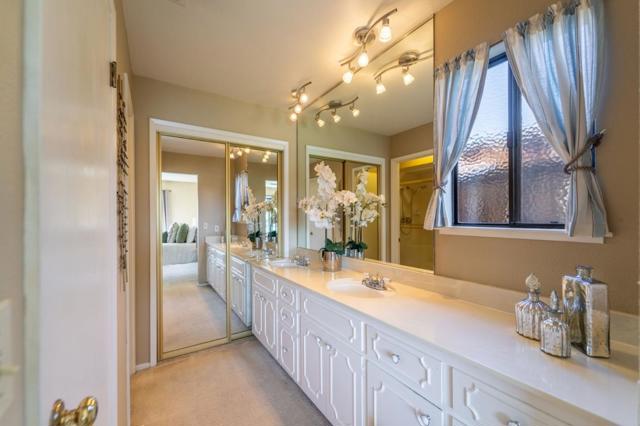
(300,97)
(405,62)
(380,89)
(247,150)
(363,37)
(333,107)
(407,78)
(232,156)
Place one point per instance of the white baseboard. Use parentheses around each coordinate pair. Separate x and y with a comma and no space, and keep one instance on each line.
(142,366)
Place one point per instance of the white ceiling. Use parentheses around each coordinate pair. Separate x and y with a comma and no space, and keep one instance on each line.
(255,50)
(400,107)
(207,149)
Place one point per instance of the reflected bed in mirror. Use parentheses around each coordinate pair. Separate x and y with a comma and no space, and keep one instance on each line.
(377,131)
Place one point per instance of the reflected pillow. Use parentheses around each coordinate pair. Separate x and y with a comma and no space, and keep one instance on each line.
(165,236)
(183,231)
(172,233)
(191,236)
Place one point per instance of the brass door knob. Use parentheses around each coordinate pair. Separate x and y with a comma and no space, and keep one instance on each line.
(84,415)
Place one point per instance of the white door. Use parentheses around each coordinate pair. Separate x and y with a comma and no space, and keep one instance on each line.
(391,403)
(70,212)
(343,384)
(288,354)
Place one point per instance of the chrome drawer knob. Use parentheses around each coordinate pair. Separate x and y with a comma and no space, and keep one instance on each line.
(284,350)
(425,419)
(328,347)
(513,423)
(284,316)
(283,293)
(318,340)
(395,358)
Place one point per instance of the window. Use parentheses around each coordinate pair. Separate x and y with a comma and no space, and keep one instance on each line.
(508,174)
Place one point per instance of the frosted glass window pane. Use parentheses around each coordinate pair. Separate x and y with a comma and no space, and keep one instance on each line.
(543,184)
(483,169)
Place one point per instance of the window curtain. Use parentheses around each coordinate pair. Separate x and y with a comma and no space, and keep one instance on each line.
(241,195)
(458,89)
(557,60)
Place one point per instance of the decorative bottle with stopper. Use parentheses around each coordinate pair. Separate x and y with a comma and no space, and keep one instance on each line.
(530,311)
(555,339)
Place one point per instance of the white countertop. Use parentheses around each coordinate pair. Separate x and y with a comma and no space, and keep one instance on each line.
(486,337)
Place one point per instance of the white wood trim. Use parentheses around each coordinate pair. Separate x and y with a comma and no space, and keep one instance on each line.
(361,158)
(519,233)
(394,199)
(187,130)
(143,366)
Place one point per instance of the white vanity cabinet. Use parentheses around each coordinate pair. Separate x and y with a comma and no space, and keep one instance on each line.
(241,290)
(360,371)
(211,266)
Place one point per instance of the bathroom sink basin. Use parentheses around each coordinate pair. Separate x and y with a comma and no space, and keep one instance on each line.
(353,287)
(283,263)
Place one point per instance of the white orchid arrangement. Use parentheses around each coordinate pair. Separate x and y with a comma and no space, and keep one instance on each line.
(326,208)
(251,214)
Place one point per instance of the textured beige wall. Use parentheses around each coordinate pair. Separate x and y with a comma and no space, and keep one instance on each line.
(12,188)
(412,140)
(505,263)
(155,99)
(211,196)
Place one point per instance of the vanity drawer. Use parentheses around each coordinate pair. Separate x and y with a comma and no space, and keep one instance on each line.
(237,266)
(287,317)
(265,281)
(288,294)
(421,372)
(338,322)
(477,403)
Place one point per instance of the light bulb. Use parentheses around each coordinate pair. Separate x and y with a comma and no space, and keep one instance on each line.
(304,98)
(380,89)
(355,111)
(293,116)
(268,153)
(319,122)
(264,160)
(239,153)
(363,59)
(347,76)
(407,77)
(297,109)
(385,31)
(232,156)
(335,116)
(247,150)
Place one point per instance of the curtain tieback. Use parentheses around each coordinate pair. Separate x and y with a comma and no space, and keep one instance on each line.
(592,142)
(441,187)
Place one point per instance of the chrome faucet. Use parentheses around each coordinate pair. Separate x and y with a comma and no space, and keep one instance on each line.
(301,260)
(375,282)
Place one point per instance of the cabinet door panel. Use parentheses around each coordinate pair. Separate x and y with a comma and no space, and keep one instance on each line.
(343,383)
(288,353)
(311,363)
(391,403)
(269,326)
(258,323)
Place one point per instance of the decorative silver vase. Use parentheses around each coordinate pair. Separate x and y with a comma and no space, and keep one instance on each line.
(331,261)
(554,334)
(530,311)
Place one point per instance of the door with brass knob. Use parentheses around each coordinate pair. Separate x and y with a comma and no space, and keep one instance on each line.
(84,415)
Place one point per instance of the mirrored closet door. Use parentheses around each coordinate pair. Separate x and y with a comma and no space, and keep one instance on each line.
(219,207)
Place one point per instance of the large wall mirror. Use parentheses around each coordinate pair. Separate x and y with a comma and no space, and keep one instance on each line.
(377,131)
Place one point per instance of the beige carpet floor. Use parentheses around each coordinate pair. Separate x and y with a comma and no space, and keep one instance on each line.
(192,313)
(238,384)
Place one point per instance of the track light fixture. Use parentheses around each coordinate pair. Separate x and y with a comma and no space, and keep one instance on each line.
(364,36)
(237,152)
(405,62)
(333,107)
(300,98)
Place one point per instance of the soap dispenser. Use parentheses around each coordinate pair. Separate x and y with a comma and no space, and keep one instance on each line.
(530,311)
(554,333)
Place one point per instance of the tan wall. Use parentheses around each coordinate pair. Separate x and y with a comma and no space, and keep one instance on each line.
(12,188)
(505,263)
(412,141)
(155,99)
(211,196)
